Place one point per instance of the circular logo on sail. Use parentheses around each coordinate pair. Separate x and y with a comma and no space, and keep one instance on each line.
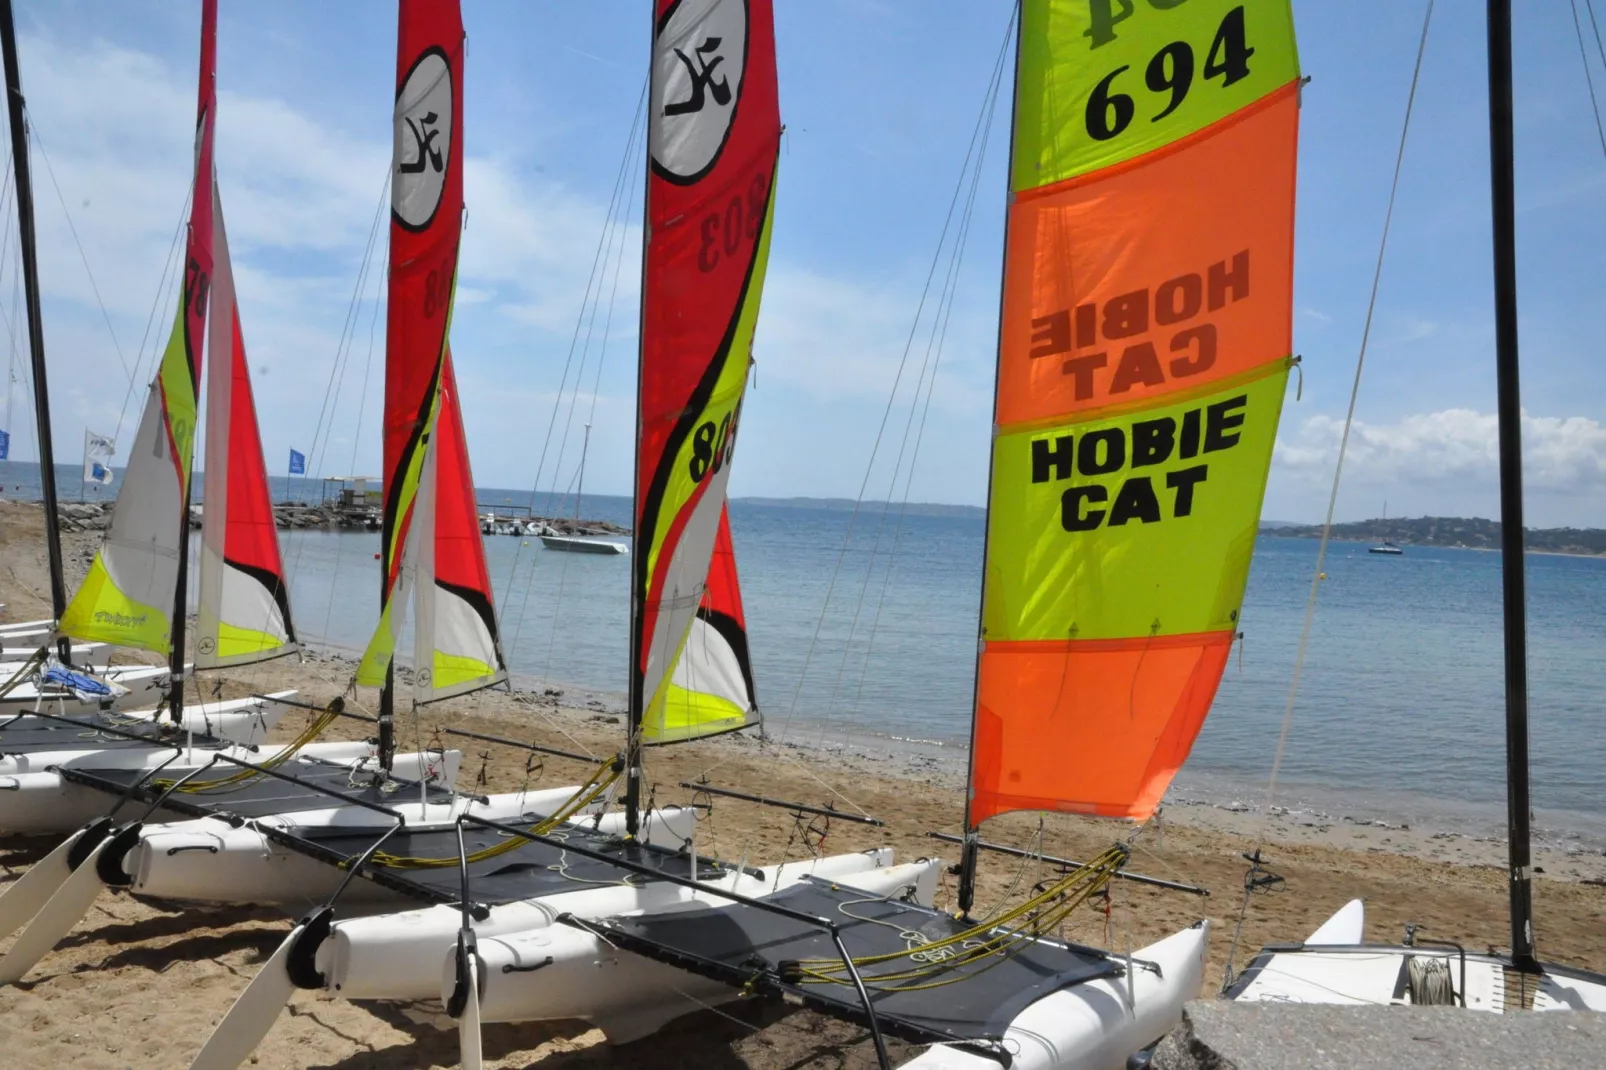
(698,61)
(423,140)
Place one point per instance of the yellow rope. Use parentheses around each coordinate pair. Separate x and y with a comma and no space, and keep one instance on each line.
(28,669)
(1045,910)
(244,776)
(604,778)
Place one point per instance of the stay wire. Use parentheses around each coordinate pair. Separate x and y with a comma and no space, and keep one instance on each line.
(1589,79)
(936,259)
(1338,468)
(33,130)
(158,305)
(612,222)
(934,351)
(620,231)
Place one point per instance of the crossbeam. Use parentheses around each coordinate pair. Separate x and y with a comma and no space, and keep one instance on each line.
(796,807)
(1121,874)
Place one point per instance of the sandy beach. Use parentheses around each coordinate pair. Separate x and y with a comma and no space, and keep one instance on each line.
(139,984)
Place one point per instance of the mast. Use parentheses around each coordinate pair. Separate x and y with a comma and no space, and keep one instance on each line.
(635,573)
(15,107)
(1508,390)
(580,480)
(969,853)
(1145,341)
(433,556)
(713,139)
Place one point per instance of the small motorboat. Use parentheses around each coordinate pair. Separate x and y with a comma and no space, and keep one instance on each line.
(1386,547)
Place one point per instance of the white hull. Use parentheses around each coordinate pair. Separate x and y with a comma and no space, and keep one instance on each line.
(15,662)
(209,861)
(244,721)
(24,626)
(1333,966)
(625,995)
(1097,1025)
(398,956)
(44,804)
(578,545)
(138,686)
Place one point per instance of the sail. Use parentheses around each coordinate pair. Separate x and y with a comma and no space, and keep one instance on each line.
(244,612)
(711,689)
(130,594)
(431,546)
(714,137)
(1144,346)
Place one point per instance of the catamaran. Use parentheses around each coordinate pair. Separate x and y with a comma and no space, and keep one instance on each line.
(1145,346)
(1429,972)
(433,559)
(135,593)
(690,674)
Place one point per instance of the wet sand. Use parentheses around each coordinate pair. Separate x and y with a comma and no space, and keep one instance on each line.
(139,984)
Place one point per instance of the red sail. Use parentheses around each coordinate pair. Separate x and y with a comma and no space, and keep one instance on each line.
(430,533)
(714,135)
(713,680)
(244,612)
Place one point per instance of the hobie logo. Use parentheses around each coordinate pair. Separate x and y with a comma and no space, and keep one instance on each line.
(423,140)
(697,67)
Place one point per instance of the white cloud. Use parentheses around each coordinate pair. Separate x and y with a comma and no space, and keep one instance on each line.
(1451,458)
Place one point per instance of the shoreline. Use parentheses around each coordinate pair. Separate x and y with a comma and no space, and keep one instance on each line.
(140,983)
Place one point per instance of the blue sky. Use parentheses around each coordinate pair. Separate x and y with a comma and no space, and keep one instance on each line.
(879,98)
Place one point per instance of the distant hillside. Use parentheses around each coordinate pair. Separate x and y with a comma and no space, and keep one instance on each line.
(1449,531)
(846,505)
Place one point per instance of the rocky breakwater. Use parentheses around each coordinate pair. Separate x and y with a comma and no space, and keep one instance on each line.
(96,516)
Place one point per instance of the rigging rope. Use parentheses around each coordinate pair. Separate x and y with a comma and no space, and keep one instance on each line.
(601,780)
(982,121)
(924,963)
(1589,79)
(615,221)
(235,781)
(1338,471)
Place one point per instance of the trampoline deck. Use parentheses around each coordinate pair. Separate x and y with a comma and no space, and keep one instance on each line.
(970,1002)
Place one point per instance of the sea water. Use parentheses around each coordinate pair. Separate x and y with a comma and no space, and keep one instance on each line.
(864,624)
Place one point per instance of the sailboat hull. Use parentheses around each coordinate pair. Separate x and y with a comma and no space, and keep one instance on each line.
(43,803)
(134,686)
(209,860)
(397,956)
(623,994)
(1382,975)
(242,721)
(1099,1024)
(583,546)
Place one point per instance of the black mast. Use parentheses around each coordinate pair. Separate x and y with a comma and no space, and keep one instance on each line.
(181,610)
(15,107)
(638,559)
(969,853)
(1502,187)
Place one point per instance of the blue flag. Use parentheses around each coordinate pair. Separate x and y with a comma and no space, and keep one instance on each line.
(5,445)
(298,463)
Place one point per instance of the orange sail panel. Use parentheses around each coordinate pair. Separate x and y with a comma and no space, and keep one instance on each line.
(244,612)
(1144,349)
(131,592)
(713,138)
(430,537)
